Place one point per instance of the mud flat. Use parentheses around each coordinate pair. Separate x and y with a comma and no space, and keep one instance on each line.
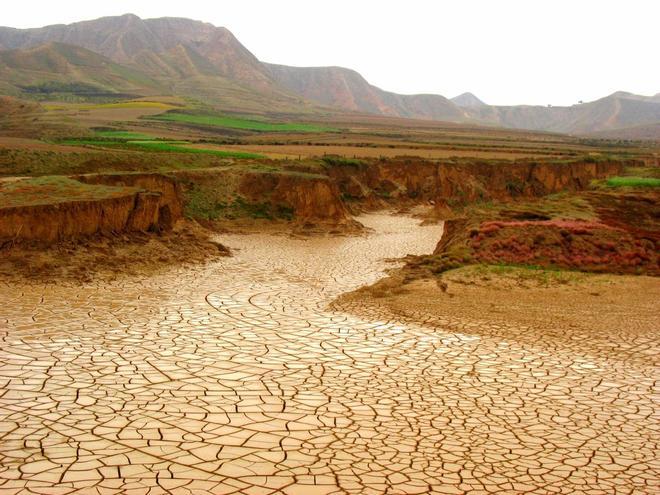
(237,377)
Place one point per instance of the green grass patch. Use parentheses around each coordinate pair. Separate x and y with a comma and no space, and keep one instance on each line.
(240,123)
(155,145)
(632,181)
(179,147)
(56,189)
(124,135)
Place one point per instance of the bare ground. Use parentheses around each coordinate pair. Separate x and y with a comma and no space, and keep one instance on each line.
(107,258)
(562,304)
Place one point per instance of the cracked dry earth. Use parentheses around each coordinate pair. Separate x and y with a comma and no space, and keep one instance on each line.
(236,377)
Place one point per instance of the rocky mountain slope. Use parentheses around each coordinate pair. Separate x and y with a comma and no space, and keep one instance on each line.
(197,59)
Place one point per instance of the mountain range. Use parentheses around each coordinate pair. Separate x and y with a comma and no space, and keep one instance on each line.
(126,55)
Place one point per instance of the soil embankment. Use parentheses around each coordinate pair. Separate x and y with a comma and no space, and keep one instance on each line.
(451,184)
(302,200)
(53,209)
(590,231)
(320,198)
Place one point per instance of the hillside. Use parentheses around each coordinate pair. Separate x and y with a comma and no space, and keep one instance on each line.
(152,45)
(185,57)
(347,89)
(617,111)
(126,54)
(59,68)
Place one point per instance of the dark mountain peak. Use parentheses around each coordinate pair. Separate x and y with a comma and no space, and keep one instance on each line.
(468,100)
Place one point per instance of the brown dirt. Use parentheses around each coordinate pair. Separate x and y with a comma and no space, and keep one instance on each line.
(67,209)
(34,144)
(614,232)
(562,304)
(110,257)
(309,151)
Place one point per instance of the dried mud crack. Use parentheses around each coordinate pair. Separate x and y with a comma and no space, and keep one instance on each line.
(237,377)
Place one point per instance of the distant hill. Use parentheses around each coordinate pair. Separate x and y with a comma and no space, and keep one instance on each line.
(57,67)
(467,100)
(347,89)
(126,54)
(619,110)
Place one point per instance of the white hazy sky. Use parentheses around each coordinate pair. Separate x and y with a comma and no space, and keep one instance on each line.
(504,51)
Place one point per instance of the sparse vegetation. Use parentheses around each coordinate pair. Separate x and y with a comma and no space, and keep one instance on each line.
(201,203)
(523,275)
(55,189)
(338,161)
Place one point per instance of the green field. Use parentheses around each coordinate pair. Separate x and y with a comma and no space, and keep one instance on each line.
(179,147)
(123,135)
(120,139)
(633,182)
(240,123)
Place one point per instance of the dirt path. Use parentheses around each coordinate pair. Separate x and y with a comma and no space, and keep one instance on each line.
(237,378)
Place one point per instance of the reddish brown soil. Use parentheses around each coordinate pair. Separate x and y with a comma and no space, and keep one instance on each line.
(583,245)
(615,232)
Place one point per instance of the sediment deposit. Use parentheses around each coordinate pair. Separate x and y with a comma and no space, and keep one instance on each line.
(236,377)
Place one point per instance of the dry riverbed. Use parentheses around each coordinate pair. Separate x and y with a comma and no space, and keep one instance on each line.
(242,376)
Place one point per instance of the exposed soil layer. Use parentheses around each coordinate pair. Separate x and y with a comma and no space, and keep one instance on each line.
(229,194)
(311,197)
(103,257)
(448,184)
(615,232)
(61,209)
(168,187)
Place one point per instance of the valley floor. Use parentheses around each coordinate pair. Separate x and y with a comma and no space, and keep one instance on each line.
(243,376)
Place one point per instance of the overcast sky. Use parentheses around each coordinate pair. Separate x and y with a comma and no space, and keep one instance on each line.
(504,51)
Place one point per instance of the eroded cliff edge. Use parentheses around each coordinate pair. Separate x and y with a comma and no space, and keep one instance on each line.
(311,195)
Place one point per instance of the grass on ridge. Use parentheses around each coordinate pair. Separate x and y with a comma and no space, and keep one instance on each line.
(47,190)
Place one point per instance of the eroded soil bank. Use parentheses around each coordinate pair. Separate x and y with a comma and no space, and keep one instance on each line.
(237,377)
